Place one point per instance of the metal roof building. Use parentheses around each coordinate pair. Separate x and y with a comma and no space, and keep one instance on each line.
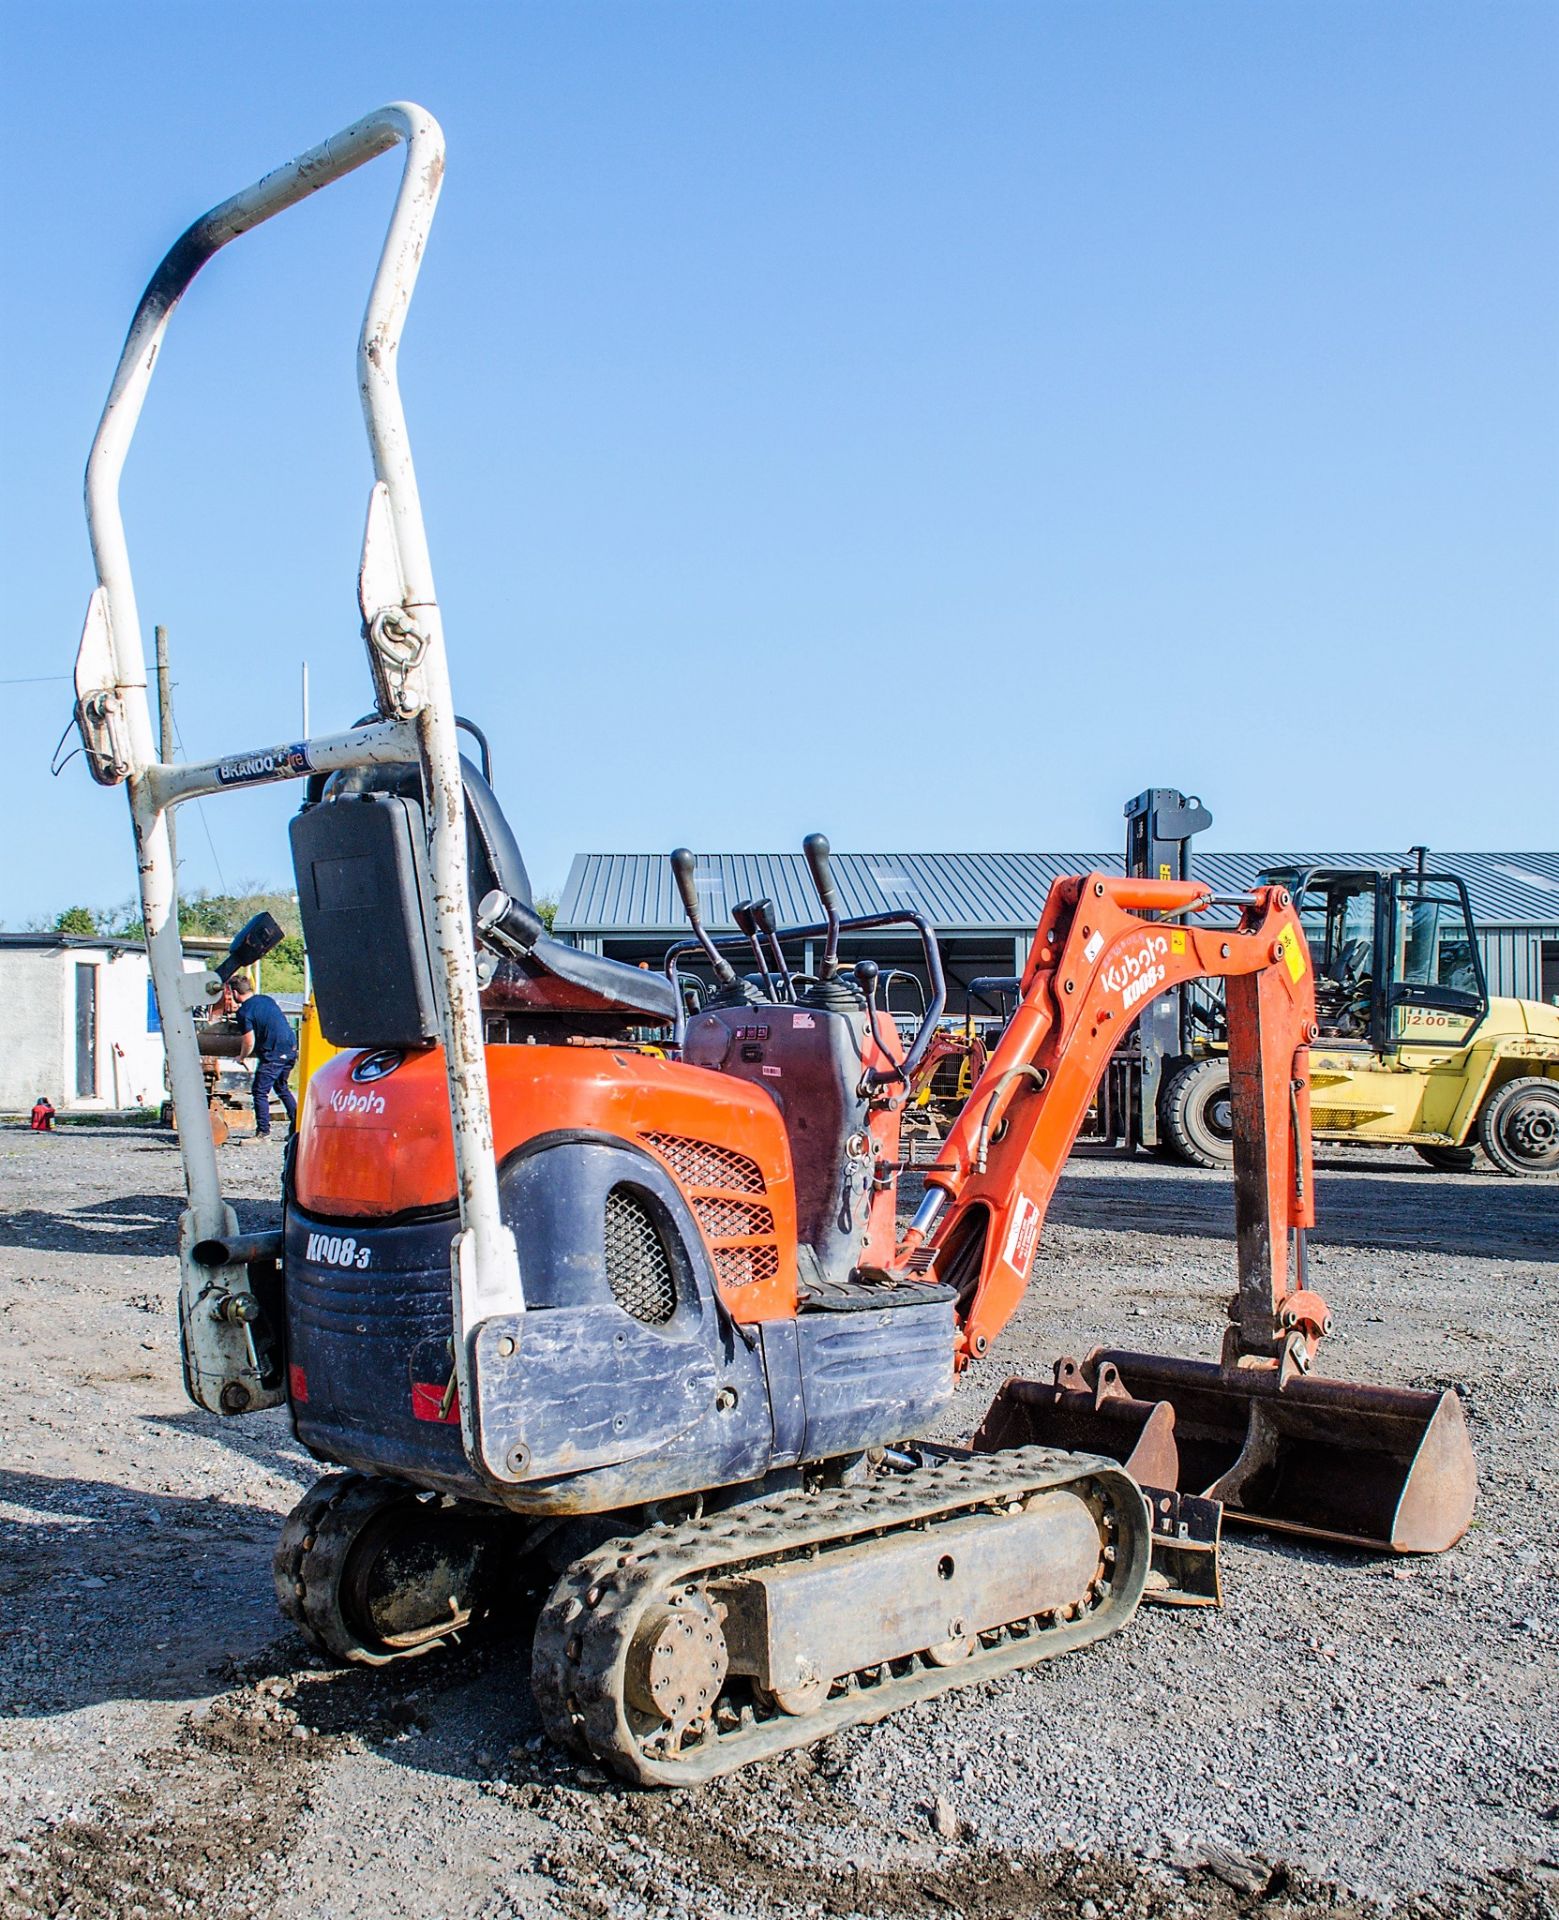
(985,906)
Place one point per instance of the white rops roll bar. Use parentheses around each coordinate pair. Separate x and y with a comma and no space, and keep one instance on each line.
(405,641)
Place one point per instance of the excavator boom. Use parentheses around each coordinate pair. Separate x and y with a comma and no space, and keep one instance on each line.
(1369,1465)
(1094,964)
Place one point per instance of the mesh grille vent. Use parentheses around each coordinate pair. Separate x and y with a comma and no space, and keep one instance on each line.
(700,1163)
(637,1265)
(732,1219)
(742,1266)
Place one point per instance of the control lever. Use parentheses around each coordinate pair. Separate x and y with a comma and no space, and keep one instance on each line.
(746,922)
(816,848)
(867,973)
(252,942)
(683,869)
(763,914)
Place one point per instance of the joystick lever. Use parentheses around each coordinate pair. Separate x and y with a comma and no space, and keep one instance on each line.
(816,848)
(867,977)
(683,869)
(747,922)
(763,915)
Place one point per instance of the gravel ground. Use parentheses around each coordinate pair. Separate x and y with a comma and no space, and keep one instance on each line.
(1347,1733)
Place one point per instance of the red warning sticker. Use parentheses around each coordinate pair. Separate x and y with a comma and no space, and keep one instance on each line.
(1022,1237)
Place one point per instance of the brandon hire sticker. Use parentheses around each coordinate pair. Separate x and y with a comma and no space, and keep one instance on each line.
(271,763)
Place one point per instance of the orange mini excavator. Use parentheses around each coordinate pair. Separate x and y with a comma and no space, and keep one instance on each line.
(572,1279)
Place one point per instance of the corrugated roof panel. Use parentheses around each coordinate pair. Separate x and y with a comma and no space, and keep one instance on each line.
(979,892)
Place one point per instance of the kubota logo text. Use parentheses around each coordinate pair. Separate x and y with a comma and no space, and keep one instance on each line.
(343,1102)
(1134,975)
(336,1250)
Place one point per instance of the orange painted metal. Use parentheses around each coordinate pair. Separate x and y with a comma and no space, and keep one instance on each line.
(1374,1466)
(881,1052)
(384,1147)
(1092,968)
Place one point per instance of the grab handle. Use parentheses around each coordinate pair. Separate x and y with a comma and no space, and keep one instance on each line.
(405,642)
(378,345)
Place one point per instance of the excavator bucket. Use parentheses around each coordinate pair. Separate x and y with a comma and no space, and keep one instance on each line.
(1386,1468)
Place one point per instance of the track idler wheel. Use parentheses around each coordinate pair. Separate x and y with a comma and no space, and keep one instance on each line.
(951,1653)
(371,1571)
(798,1700)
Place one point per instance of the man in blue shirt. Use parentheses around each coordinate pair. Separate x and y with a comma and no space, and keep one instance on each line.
(268,1036)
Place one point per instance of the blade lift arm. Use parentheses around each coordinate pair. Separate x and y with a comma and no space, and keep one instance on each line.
(1094,965)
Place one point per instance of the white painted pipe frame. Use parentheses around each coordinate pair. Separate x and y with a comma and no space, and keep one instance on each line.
(377,743)
(486,1266)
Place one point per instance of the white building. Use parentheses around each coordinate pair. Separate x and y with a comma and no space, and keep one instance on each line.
(78,1022)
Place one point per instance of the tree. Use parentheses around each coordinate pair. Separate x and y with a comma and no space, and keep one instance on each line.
(282,968)
(77,920)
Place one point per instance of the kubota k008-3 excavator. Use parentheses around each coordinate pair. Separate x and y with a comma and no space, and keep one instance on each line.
(548,1296)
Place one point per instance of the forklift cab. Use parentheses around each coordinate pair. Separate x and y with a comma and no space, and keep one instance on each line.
(1396,959)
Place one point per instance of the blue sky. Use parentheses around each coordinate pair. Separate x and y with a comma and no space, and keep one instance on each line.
(928,422)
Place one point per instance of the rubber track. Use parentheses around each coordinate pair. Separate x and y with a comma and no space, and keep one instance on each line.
(294,1546)
(316,1541)
(589,1623)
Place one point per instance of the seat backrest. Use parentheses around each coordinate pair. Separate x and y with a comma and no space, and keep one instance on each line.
(359,866)
(493,851)
(358,853)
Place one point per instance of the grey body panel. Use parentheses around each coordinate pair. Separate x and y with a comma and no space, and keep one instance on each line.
(611,1411)
(809,1061)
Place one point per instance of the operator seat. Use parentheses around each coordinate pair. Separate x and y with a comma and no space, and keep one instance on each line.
(357,848)
(1341,991)
(1346,965)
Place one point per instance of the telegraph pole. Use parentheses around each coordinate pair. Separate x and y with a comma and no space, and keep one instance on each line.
(165,729)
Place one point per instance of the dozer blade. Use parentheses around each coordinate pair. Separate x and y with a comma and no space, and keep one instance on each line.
(1386,1468)
(1102,1417)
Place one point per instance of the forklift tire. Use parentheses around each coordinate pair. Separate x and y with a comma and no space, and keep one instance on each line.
(1448,1159)
(1197,1116)
(1519,1127)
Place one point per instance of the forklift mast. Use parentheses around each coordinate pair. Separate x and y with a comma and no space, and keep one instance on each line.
(1160,824)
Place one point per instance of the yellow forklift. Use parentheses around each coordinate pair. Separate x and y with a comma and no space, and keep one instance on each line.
(1412,1050)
